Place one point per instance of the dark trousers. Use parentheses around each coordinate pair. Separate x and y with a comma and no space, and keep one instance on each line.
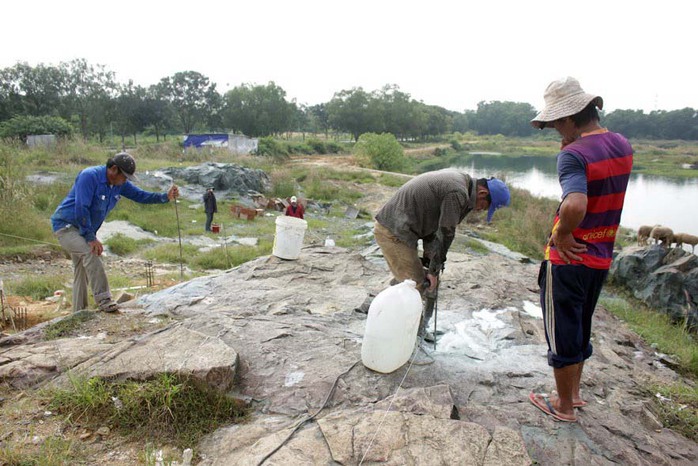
(209,219)
(568,296)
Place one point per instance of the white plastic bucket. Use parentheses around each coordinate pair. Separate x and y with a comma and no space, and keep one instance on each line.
(288,239)
(391,327)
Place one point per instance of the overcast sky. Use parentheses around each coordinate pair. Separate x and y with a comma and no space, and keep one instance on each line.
(635,54)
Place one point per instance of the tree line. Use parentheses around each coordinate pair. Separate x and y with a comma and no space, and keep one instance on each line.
(78,96)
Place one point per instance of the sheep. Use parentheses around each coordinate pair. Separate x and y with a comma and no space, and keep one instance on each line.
(643,234)
(681,238)
(663,234)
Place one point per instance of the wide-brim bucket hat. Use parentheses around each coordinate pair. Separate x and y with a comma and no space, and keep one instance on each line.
(563,98)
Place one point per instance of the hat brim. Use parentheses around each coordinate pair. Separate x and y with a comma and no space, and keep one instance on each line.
(564,108)
(129,177)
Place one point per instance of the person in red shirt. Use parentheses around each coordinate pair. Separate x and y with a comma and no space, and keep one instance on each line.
(295,209)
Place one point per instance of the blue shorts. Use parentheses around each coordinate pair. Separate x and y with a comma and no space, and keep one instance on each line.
(568,296)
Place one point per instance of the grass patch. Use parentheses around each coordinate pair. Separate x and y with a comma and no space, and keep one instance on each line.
(67,325)
(392,181)
(319,188)
(677,408)
(37,287)
(160,219)
(169,253)
(168,408)
(524,225)
(53,451)
(122,245)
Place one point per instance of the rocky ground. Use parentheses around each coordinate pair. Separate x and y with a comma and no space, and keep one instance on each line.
(285,337)
(280,333)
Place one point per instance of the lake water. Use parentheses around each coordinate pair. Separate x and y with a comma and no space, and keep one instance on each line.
(649,200)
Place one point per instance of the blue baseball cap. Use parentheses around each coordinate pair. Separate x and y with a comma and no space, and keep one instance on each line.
(499,194)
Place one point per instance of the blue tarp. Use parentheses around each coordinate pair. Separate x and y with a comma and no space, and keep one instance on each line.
(202,140)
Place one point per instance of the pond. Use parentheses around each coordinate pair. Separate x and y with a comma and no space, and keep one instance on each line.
(649,200)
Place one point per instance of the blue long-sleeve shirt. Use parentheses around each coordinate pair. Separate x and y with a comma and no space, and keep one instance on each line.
(92,198)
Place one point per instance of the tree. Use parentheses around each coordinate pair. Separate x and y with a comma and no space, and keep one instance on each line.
(319,118)
(89,93)
(157,110)
(191,96)
(506,118)
(257,110)
(31,90)
(438,120)
(354,111)
(380,151)
(129,111)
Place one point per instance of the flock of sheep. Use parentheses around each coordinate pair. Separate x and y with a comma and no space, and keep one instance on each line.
(665,235)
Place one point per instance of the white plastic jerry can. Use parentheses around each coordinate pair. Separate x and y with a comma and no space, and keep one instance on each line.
(391,327)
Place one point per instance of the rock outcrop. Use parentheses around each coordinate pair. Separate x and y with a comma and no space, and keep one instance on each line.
(284,336)
(665,279)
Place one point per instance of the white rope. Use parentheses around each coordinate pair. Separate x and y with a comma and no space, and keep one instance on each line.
(30,239)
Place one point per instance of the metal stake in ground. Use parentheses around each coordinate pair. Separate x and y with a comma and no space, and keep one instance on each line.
(225,243)
(179,234)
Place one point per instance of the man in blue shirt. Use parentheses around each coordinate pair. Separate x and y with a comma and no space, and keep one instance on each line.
(76,220)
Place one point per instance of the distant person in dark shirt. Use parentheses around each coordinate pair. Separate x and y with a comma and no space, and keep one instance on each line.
(210,206)
(295,209)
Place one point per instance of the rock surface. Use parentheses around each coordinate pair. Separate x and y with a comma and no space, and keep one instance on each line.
(283,336)
(665,279)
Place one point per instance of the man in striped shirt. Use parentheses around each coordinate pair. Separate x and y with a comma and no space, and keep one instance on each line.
(594,167)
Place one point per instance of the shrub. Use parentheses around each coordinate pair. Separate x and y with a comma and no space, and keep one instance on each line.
(379,151)
(333,148)
(270,147)
(22,126)
(317,145)
(456,145)
(300,149)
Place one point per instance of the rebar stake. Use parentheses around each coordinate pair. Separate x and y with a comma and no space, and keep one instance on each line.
(179,234)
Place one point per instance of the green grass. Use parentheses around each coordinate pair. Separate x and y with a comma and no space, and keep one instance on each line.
(37,287)
(53,451)
(169,253)
(122,245)
(67,325)
(167,409)
(230,256)
(524,225)
(678,410)
(392,181)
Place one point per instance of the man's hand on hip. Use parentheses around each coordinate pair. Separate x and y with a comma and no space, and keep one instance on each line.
(567,246)
(96,247)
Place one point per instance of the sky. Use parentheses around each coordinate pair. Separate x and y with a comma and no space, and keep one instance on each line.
(635,54)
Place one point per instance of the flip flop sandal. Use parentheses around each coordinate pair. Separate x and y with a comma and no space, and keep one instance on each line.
(542,402)
(575,404)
